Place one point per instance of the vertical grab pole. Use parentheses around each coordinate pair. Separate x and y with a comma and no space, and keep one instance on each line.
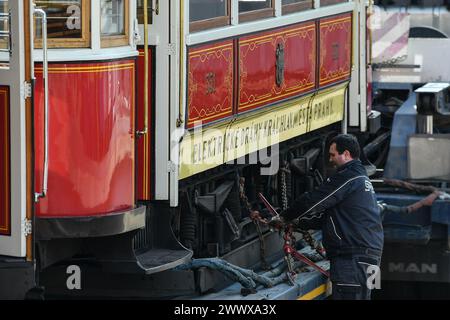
(43,16)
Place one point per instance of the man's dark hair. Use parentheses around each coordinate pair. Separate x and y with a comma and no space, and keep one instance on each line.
(347,142)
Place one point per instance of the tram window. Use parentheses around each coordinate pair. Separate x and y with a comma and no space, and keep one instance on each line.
(324,3)
(4,34)
(114,23)
(207,14)
(67,23)
(140,11)
(290,6)
(255,9)
(4,25)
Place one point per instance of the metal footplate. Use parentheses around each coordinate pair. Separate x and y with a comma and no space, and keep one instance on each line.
(149,250)
(157,260)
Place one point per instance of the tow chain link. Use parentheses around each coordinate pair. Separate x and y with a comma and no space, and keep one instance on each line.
(262,245)
(284,205)
(307,237)
(284,197)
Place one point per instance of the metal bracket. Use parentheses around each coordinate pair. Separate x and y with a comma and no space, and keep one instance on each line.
(156,9)
(27,227)
(136,35)
(171,167)
(171,49)
(26,90)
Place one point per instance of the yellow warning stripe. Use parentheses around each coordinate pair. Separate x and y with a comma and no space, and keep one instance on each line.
(314,293)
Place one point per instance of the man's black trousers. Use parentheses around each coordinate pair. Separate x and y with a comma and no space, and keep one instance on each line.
(354,275)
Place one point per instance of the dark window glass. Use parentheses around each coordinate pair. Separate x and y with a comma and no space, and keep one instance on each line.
(290,6)
(324,3)
(252,5)
(284,2)
(207,9)
(3,6)
(140,11)
(64,18)
(4,33)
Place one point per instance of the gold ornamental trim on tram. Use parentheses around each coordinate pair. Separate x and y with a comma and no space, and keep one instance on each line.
(87,69)
(204,149)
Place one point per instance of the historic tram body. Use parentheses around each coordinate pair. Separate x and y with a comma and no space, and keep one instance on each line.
(134,140)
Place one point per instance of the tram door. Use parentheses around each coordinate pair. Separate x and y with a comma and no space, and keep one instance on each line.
(14,100)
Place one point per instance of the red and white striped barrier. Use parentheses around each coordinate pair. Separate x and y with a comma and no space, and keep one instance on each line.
(390,31)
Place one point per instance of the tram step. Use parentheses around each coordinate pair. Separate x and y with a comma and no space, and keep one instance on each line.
(149,250)
(156,260)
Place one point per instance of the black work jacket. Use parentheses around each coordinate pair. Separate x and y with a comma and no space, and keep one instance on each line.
(345,208)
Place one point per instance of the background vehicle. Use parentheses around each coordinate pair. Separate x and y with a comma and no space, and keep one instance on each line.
(410,86)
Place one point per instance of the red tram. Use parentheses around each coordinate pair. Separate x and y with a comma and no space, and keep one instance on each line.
(132,139)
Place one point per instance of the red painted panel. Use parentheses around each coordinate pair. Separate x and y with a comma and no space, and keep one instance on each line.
(92,138)
(144,143)
(5,169)
(257,65)
(335,49)
(210,82)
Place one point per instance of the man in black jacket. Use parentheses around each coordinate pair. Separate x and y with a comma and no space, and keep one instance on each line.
(345,208)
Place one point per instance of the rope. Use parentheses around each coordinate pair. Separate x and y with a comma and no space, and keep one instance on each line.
(246,277)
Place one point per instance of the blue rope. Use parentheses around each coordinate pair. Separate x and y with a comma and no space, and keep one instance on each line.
(247,278)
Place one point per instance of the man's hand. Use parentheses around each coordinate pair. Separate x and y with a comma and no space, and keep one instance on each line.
(255,215)
(276,222)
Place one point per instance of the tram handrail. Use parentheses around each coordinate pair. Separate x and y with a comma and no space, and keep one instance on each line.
(43,16)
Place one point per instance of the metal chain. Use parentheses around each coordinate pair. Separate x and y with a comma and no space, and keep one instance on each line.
(291,270)
(390,62)
(262,245)
(284,197)
(307,237)
(242,194)
(313,243)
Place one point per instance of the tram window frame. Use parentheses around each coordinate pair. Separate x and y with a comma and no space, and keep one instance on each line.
(258,14)
(83,42)
(108,41)
(4,26)
(297,6)
(211,23)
